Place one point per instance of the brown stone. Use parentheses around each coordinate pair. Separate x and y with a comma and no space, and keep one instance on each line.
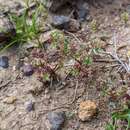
(10,100)
(87,110)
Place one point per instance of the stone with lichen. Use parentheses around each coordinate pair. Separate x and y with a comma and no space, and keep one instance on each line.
(87,110)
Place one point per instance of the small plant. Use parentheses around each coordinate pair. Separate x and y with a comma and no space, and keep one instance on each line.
(122,116)
(87,60)
(94,25)
(46,77)
(27,27)
(110,127)
(57,37)
(59,40)
(66,47)
(74,72)
(125,17)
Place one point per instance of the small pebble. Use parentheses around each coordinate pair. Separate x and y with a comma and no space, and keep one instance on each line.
(29,106)
(55,120)
(28,70)
(4,62)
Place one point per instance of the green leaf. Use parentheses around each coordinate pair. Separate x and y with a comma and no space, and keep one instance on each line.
(46,77)
(110,127)
(88,60)
(66,49)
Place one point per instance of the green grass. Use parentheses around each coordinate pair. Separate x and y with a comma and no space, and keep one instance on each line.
(26,28)
(122,116)
(125,17)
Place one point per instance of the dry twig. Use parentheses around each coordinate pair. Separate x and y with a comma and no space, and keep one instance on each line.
(74,36)
(5,84)
(115,56)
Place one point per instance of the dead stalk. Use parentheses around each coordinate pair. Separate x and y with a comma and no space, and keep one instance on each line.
(115,56)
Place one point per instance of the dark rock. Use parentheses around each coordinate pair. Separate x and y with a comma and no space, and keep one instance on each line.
(80,5)
(54,5)
(4,62)
(7,29)
(60,21)
(82,10)
(28,70)
(56,120)
(29,106)
(66,23)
